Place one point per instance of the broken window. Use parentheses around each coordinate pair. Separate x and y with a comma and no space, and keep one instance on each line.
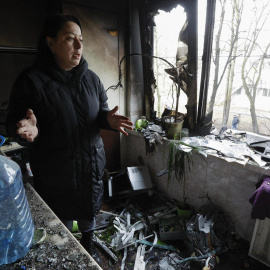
(176,41)
(238,56)
(240,64)
(167,46)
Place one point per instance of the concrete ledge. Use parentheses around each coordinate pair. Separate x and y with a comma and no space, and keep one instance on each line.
(229,184)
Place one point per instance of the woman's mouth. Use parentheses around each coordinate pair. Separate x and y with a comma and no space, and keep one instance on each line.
(77,55)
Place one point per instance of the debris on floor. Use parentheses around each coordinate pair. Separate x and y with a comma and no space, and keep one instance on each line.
(146,231)
(140,229)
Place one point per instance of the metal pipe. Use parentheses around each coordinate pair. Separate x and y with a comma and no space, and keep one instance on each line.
(135,95)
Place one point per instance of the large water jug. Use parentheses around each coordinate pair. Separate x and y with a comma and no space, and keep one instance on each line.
(16,223)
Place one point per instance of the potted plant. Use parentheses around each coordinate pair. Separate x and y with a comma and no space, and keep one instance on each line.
(180,159)
(174,121)
(179,76)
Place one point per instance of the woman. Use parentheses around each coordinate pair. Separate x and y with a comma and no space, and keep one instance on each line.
(57,107)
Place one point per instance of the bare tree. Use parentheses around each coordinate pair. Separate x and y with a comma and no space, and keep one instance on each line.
(251,69)
(160,65)
(231,55)
(235,25)
(216,58)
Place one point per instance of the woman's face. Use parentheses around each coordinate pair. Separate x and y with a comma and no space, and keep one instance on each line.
(67,46)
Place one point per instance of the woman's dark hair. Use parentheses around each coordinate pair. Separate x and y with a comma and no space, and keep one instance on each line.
(51,27)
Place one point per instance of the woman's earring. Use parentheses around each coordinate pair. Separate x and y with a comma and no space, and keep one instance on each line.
(53,52)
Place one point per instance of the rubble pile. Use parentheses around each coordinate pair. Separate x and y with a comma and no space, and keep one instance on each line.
(146,232)
(140,231)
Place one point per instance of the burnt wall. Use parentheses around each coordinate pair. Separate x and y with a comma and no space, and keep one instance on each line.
(20,25)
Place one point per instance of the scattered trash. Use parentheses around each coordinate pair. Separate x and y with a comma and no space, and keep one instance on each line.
(103,245)
(171,262)
(172,228)
(141,124)
(135,232)
(138,223)
(39,236)
(139,177)
(134,179)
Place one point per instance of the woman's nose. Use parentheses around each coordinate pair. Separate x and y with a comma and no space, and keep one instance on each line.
(78,43)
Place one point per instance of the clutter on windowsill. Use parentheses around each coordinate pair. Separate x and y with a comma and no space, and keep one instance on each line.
(231,145)
(153,134)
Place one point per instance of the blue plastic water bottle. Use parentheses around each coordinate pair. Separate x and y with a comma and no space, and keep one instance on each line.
(16,223)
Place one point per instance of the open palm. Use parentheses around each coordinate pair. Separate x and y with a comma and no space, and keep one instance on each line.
(118,122)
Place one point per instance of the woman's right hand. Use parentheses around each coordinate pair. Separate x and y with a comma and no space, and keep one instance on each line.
(27,128)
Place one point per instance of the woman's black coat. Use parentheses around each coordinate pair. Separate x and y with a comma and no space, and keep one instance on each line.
(67,158)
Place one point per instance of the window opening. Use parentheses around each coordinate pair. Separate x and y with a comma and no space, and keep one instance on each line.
(239,76)
(169,26)
(166,44)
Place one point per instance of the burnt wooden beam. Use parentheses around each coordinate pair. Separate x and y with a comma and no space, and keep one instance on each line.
(191,8)
(206,58)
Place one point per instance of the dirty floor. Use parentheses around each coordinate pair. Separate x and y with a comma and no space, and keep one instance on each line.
(234,258)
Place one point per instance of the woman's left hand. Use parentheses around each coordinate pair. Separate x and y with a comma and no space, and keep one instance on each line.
(118,122)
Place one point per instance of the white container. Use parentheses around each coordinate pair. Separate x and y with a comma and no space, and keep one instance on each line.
(16,223)
(260,242)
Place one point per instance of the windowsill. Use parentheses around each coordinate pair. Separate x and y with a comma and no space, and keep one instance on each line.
(247,163)
(227,181)
(135,133)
